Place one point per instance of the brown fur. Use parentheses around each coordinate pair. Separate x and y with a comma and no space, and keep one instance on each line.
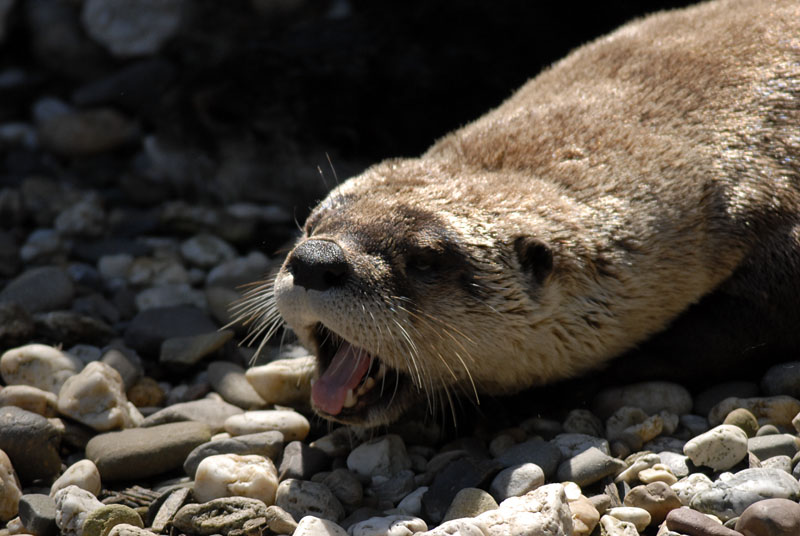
(647,184)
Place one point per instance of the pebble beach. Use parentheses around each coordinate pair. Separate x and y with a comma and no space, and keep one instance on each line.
(133,402)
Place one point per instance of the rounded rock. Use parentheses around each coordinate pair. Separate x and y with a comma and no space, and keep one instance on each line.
(687,521)
(73,506)
(773,445)
(83,474)
(582,421)
(382,456)
(777,410)
(302,497)
(283,381)
(267,444)
(100,522)
(589,467)
(315,526)
(770,517)
(639,517)
(743,419)
(543,453)
(346,486)
(45,288)
(31,443)
(782,379)
(585,516)
(206,250)
(190,349)
(124,529)
(210,411)
(30,399)
(657,498)
(720,448)
(291,424)
(10,488)
(516,480)
(38,514)
(228,379)
(38,365)
(226,475)
(219,516)
(469,502)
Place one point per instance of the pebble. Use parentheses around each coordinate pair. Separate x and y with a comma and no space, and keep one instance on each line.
(573,444)
(543,511)
(394,525)
(720,448)
(677,463)
(191,349)
(96,398)
(658,473)
(38,365)
(657,498)
(10,489)
(16,324)
(124,529)
(469,502)
(31,443)
(466,472)
(83,474)
(637,465)
(347,488)
(44,288)
(150,328)
(770,517)
(218,516)
(86,132)
(144,452)
(776,410)
(206,250)
(516,480)
(315,526)
(226,475)
(729,497)
(83,218)
(707,399)
(382,456)
(773,445)
(239,271)
(542,453)
(390,490)
(170,295)
(588,467)
(283,381)
(782,379)
(651,397)
(267,444)
(743,419)
(73,506)
(99,522)
(582,421)
(303,497)
(209,411)
(291,424)
(126,362)
(302,461)
(686,488)
(687,521)
(229,381)
(611,526)
(639,517)
(585,516)
(30,399)
(37,512)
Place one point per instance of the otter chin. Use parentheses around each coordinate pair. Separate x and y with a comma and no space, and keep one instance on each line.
(638,200)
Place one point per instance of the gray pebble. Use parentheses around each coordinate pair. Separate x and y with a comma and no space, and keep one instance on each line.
(38,514)
(267,444)
(773,445)
(190,349)
(31,442)
(44,288)
(783,463)
(573,444)
(210,411)
(301,461)
(516,480)
(652,397)
(582,421)
(239,271)
(382,456)
(345,485)
(150,328)
(543,453)
(462,473)
(206,250)
(782,379)
(588,467)
(391,490)
(302,497)
(706,400)
(229,381)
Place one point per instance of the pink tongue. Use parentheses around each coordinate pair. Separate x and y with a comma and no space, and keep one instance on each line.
(345,372)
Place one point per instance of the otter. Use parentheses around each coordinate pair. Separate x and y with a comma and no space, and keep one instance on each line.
(641,198)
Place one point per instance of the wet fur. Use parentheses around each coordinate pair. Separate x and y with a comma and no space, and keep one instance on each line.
(645,188)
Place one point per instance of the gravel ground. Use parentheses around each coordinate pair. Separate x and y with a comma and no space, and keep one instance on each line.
(129,406)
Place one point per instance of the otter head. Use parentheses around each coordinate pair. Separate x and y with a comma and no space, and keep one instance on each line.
(403,294)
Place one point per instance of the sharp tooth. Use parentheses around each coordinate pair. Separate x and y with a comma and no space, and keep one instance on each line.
(368,384)
(351,399)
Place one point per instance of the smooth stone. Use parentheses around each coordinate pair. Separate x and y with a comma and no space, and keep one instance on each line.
(338,442)
(686,488)
(283,381)
(38,514)
(206,250)
(768,429)
(291,424)
(638,517)
(784,463)
(687,521)
(170,295)
(267,444)
(382,456)
(225,475)
(585,516)
(516,480)
(461,473)
(96,397)
(126,362)
(657,498)
(83,474)
(743,419)
(219,516)
(10,491)
(163,509)
(611,526)
(782,379)
(132,27)
(638,434)
(677,463)
(463,527)
(86,132)
(212,412)
(770,517)
(144,452)
(38,365)
(572,444)
(623,418)
(469,502)
(149,329)
(636,466)
(720,448)
(773,445)
(31,442)
(239,271)
(191,349)
(44,288)
(651,397)
(777,410)
(730,497)
(146,393)
(315,526)
(228,379)
(157,271)
(219,300)
(543,453)
(303,497)
(301,461)
(543,511)
(393,525)
(390,490)
(696,424)
(345,485)
(100,522)
(658,473)
(589,467)
(73,506)
(412,503)
(30,399)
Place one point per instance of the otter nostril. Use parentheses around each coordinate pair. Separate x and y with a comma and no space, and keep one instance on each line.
(318,265)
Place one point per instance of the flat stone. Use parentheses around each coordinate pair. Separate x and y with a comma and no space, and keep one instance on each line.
(38,514)
(206,250)
(290,423)
(31,442)
(226,475)
(542,453)
(220,516)
(144,452)
(302,461)
(30,399)
(589,467)
(212,412)
(86,132)
(267,444)
(44,288)
(130,28)
(283,381)
(302,497)
(773,445)
(228,379)
(149,329)
(687,521)
(572,444)
(770,517)
(191,349)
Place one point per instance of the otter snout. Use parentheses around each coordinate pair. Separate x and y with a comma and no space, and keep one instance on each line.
(318,265)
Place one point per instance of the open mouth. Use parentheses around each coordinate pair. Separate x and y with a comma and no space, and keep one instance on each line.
(351,380)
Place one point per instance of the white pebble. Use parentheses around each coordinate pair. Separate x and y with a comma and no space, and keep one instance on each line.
(228,475)
(315,526)
(283,381)
(73,506)
(720,448)
(394,525)
(383,456)
(83,474)
(38,365)
(291,424)
(632,514)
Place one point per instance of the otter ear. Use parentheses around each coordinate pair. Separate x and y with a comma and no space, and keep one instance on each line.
(535,256)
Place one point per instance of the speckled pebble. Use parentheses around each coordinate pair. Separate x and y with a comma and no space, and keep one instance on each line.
(29,398)
(38,365)
(219,516)
(382,456)
(585,516)
(124,529)
(720,448)
(639,517)
(302,497)
(267,444)
(226,475)
(611,526)
(743,419)
(658,473)
(73,506)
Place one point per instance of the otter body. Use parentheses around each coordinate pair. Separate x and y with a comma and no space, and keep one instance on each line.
(642,195)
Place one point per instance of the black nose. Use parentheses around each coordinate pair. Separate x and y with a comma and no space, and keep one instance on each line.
(318,265)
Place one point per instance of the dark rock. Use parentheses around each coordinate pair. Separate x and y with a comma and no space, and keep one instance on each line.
(770,517)
(208,411)
(229,381)
(38,514)
(16,325)
(462,473)
(542,453)
(150,328)
(45,288)
(302,461)
(70,328)
(267,444)
(219,516)
(135,87)
(31,442)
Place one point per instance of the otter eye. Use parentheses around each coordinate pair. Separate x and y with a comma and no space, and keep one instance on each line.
(423,263)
